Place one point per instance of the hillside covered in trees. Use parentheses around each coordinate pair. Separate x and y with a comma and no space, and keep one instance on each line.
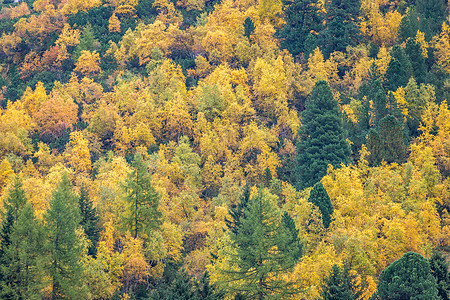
(224,149)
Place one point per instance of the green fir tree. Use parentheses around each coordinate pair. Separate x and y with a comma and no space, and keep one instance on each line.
(399,70)
(257,269)
(62,220)
(340,285)
(439,269)
(302,17)
(24,258)
(143,215)
(89,220)
(319,197)
(410,277)
(322,137)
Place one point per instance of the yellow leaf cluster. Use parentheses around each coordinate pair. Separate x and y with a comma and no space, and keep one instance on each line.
(114,23)
(442,45)
(77,154)
(88,63)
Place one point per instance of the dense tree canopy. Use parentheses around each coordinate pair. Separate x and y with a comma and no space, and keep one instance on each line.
(145,142)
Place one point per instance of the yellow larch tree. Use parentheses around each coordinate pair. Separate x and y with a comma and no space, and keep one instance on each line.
(114,23)
(88,63)
(67,39)
(442,45)
(77,154)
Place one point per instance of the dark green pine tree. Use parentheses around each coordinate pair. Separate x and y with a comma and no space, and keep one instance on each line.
(24,258)
(340,285)
(372,91)
(391,136)
(87,42)
(409,25)
(256,268)
(15,199)
(14,202)
(207,291)
(322,138)
(410,277)
(89,220)
(375,147)
(180,288)
(418,64)
(237,212)
(249,27)
(341,26)
(302,17)
(432,14)
(143,215)
(319,197)
(64,249)
(399,70)
(439,269)
(267,178)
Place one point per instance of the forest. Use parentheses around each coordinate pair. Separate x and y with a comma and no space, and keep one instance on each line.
(225,149)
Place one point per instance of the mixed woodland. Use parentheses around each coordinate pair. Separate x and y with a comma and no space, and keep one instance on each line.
(224,149)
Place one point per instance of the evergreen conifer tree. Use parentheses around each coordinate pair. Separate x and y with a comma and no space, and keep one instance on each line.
(375,147)
(302,17)
(256,269)
(439,269)
(340,285)
(409,277)
(409,25)
(322,137)
(319,197)
(391,136)
(88,42)
(432,14)
(13,204)
(142,199)
(207,291)
(24,255)
(62,220)
(399,70)
(249,27)
(372,91)
(237,212)
(341,29)
(418,64)
(89,220)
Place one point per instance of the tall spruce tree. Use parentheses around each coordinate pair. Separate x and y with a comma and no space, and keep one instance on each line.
(302,17)
(24,257)
(399,70)
(62,220)
(237,212)
(319,197)
(249,28)
(432,14)
(386,144)
(255,268)
(439,269)
(89,220)
(143,215)
(391,136)
(418,64)
(13,204)
(375,147)
(322,138)
(372,92)
(340,285)
(341,26)
(409,277)
(409,25)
